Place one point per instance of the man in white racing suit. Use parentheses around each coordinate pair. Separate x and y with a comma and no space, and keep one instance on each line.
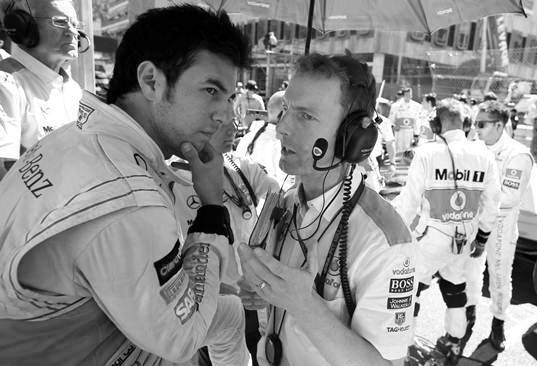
(95,269)
(514,163)
(404,115)
(453,186)
(326,310)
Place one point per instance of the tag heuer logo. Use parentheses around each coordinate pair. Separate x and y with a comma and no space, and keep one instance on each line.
(84,112)
(400,318)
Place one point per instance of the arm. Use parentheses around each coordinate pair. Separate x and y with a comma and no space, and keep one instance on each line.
(514,180)
(489,202)
(291,289)
(161,301)
(11,114)
(409,200)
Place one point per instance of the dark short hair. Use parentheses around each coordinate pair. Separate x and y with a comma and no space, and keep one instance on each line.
(358,89)
(496,109)
(171,37)
(431,98)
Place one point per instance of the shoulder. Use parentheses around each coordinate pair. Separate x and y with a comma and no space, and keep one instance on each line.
(384,217)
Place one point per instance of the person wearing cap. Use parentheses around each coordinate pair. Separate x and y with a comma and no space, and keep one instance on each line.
(346,306)
(37,92)
(248,102)
(404,115)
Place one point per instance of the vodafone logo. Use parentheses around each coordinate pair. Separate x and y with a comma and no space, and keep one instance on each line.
(458,201)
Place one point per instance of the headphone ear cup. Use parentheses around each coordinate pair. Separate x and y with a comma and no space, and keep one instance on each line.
(22,28)
(436,125)
(354,143)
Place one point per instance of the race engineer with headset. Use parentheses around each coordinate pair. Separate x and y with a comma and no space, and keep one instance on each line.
(453,186)
(95,267)
(330,306)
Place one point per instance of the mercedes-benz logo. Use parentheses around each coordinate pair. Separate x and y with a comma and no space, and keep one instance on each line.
(193,202)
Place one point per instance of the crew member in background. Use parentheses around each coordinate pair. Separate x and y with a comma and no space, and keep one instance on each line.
(360,309)
(453,186)
(428,104)
(404,115)
(246,184)
(514,163)
(262,146)
(250,100)
(37,93)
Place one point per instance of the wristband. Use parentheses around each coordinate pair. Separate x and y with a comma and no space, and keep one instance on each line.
(212,219)
(482,236)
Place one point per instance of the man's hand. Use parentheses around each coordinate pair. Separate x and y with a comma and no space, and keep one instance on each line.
(476,249)
(250,299)
(207,171)
(285,287)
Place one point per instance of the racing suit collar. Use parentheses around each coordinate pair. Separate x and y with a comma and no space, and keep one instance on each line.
(454,135)
(498,146)
(121,125)
(43,72)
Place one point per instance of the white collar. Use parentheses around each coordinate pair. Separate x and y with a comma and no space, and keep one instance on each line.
(42,71)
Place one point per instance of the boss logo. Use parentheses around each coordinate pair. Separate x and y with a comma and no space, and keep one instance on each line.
(400,285)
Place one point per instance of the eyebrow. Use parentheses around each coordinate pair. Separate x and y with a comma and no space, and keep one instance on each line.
(218,84)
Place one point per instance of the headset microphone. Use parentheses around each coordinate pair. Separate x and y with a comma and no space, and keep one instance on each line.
(84,42)
(318,151)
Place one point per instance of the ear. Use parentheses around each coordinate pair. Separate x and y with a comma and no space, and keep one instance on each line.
(151,80)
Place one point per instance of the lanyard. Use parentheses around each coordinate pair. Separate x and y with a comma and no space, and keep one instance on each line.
(239,200)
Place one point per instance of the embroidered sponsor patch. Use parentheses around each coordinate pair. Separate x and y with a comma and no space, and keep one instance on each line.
(169,265)
(513,174)
(84,112)
(400,318)
(186,306)
(401,285)
(177,285)
(399,302)
(509,183)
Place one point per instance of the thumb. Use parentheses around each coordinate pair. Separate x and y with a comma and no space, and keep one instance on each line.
(313,260)
(190,153)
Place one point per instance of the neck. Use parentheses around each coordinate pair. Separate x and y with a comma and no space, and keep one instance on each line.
(54,64)
(136,106)
(313,186)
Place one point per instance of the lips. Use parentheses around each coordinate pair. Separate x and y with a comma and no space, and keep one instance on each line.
(287,151)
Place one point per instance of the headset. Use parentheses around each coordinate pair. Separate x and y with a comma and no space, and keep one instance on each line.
(21,27)
(354,142)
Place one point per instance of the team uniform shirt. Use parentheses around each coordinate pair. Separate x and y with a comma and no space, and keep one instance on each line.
(381,266)
(515,164)
(34,101)
(405,119)
(445,210)
(89,213)
(243,219)
(267,151)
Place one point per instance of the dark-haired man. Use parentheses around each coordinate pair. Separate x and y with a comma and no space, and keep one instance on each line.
(37,94)
(95,268)
(319,316)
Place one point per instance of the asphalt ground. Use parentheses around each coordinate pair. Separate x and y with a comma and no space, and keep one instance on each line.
(521,314)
